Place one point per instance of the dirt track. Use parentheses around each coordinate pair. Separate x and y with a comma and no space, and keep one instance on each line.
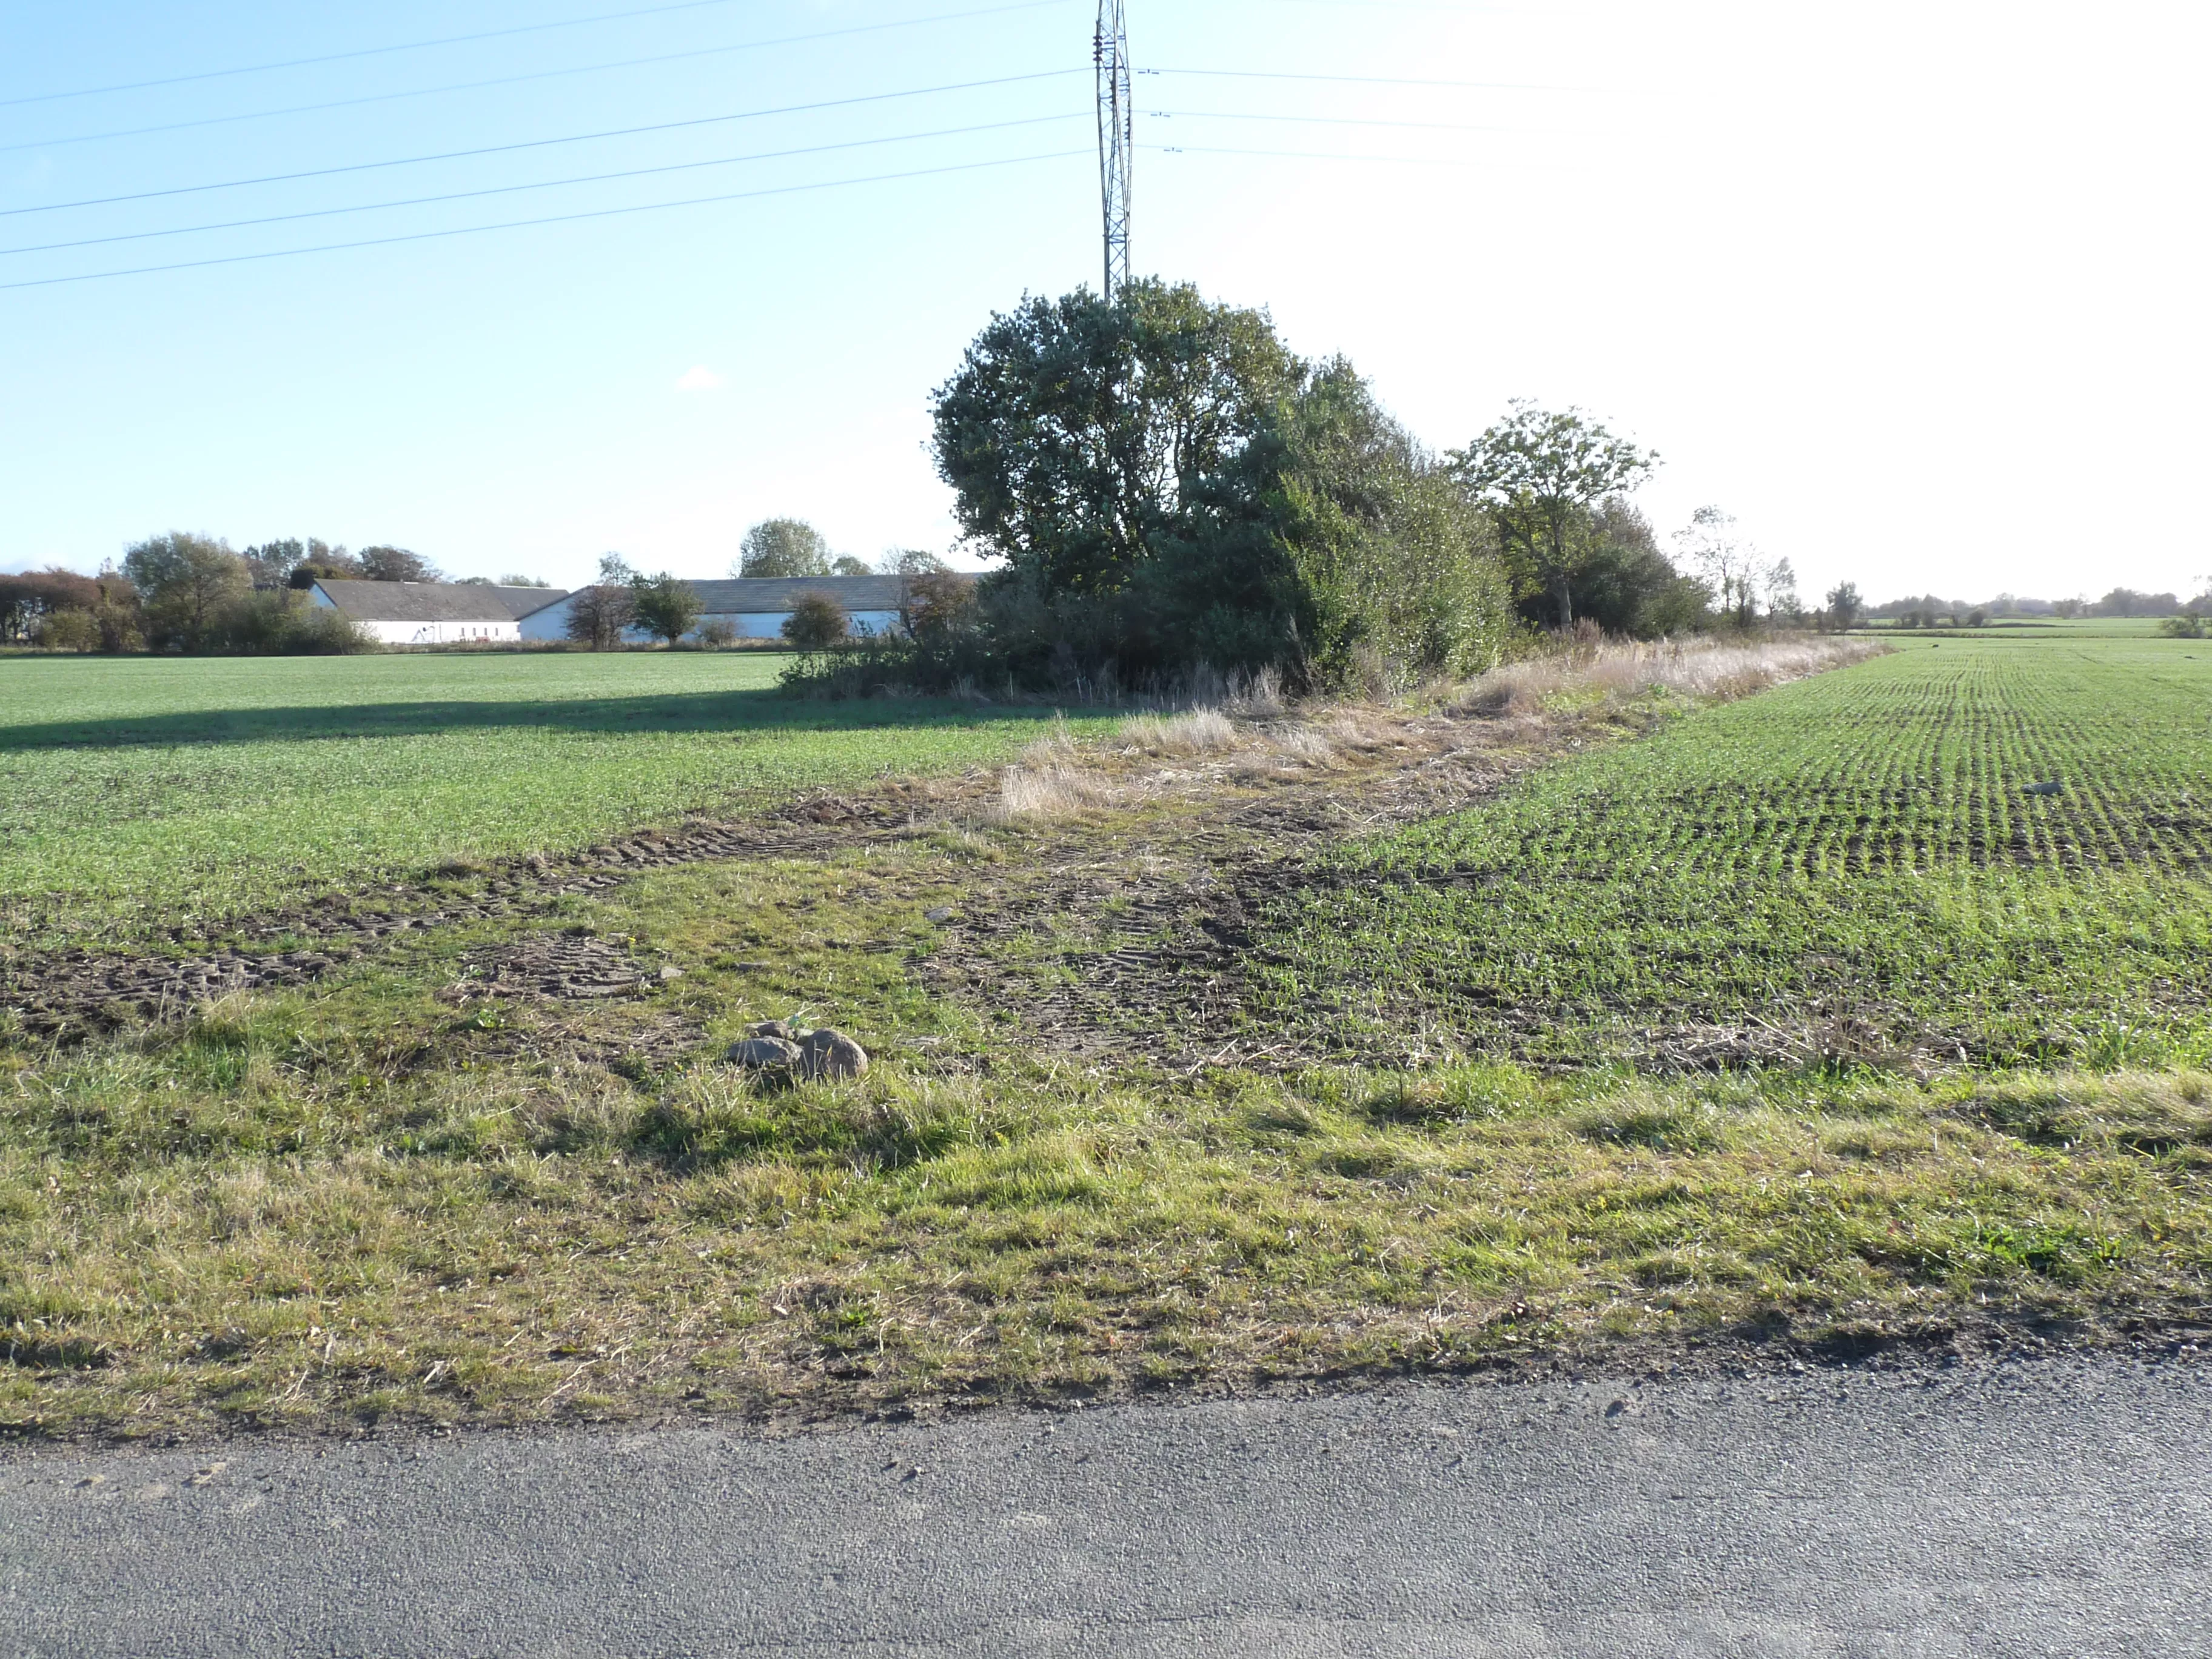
(1210,834)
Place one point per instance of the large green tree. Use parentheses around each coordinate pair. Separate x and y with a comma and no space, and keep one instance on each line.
(189,585)
(1541,472)
(1083,436)
(664,606)
(397,564)
(783,547)
(1169,485)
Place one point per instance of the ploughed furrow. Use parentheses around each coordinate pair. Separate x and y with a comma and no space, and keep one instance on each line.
(1980,846)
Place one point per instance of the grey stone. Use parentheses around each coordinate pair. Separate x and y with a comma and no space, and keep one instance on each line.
(764,1053)
(831,1055)
(773,1028)
(943,913)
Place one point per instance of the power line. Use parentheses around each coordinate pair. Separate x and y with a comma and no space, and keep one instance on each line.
(1370,80)
(1313,155)
(366,52)
(544,184)
(772,155)
(538,143)
(1326,120)
(551,219)
(517,80)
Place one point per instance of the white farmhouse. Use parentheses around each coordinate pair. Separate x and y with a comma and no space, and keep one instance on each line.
(755,607)
(434,613)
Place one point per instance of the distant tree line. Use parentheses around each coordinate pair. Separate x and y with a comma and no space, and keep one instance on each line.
(181,592)
(1929,610)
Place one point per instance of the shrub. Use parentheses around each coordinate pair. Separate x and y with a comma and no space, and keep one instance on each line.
(817,623)
(599,616)
(664,607)
(66,630)
(26,598)
(281,623)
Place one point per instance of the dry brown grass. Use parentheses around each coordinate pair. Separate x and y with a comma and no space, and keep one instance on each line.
(1052,792)
(1247,731)
(1625,669)
(1201,731)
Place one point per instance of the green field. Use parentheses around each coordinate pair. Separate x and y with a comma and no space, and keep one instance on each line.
(141,795)
(1849,867)
(1767,1029)
(2075,628)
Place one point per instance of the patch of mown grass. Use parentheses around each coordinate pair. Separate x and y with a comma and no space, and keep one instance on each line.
(355,1205)
(1850,867)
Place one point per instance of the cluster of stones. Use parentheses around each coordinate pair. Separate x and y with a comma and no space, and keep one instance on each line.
(819,1055)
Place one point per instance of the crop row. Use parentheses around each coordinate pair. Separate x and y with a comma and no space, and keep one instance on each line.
(1870,845)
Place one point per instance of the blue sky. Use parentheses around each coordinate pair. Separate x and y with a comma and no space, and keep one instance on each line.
(1914,290)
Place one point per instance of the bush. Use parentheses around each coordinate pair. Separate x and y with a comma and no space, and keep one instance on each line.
(107,604)
(716,632)
(597,617)
(1389,561)
(664,607)
(281,623)
(66,630)
(817,623)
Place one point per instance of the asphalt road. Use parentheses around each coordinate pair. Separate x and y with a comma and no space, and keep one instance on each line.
(2046,1507)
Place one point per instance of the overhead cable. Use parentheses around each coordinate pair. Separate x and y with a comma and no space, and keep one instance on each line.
(404,46)
(1324,120)
(516,80)
(542,144)
(551,219)
(1370,80)
(544,184)
(1312,155)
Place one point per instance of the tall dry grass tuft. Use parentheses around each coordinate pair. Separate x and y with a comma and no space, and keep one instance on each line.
(1201,731)
(1051,792)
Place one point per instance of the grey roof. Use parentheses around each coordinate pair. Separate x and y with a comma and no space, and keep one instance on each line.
(738,595)
(431,602)
(521,601)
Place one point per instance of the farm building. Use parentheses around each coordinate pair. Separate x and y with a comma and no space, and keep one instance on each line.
(434,613)
(757,607)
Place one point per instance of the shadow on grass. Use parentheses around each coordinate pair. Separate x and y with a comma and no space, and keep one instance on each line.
(765,711)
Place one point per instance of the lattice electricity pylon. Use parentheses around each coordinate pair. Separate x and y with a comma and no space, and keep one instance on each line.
(1117,137)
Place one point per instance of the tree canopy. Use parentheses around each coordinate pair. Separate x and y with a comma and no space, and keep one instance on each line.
(817,622)
(1081,435)
(664,606)
(1541,472)
(188,583)
(396,564)
(1168,485)
(783,547)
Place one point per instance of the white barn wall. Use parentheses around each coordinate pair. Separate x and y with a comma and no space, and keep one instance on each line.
(552,624)
(426,633)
